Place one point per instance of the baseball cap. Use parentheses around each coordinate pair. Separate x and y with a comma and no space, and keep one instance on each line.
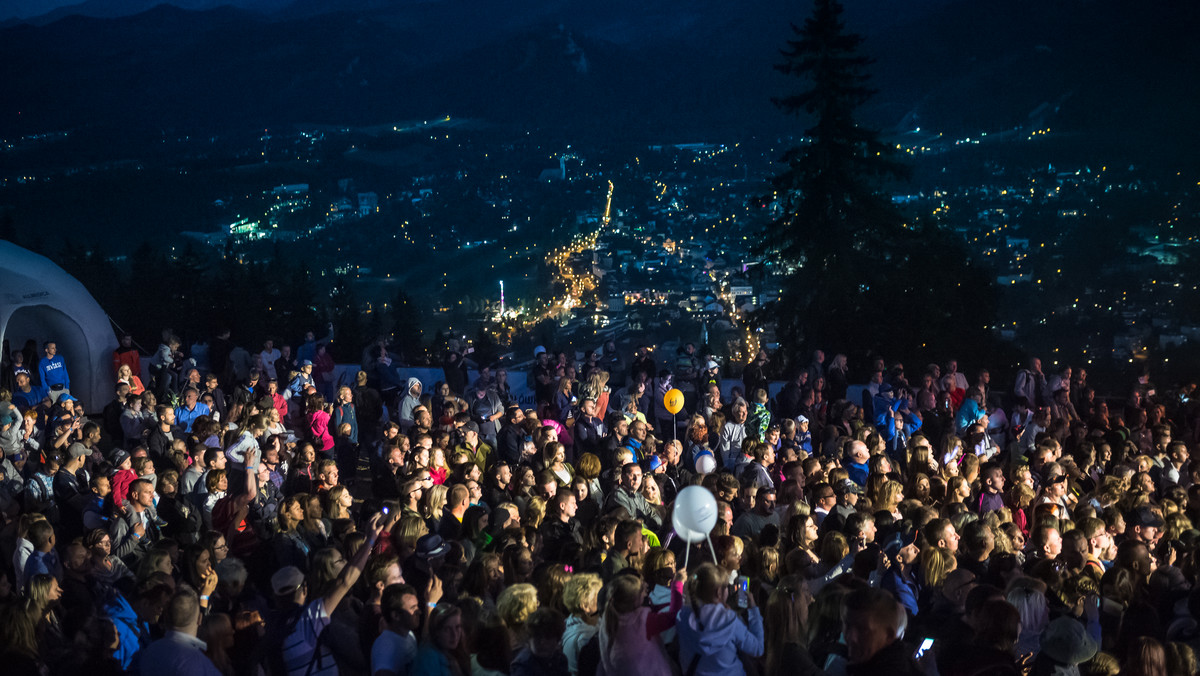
(1145,517)
(899,540)
(712,365)
(538,350)
(286,580)
(305,362)
(78,450)
(471,426)
(801,419)
(653,463)
(847,486)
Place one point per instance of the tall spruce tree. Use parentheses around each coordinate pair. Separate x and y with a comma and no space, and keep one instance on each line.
(856,264)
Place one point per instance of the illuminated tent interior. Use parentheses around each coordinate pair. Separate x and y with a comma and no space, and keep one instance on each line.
(40,301)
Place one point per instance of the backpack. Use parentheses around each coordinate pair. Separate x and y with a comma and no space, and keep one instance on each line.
(39,497)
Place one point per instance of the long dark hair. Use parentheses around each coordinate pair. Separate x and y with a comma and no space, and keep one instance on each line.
(624,593)
(783,624)
(437,619)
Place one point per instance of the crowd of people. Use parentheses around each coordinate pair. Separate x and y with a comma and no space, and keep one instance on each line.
(245,513)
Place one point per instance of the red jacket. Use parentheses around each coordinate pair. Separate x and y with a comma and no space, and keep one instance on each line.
(130,357)
(281,405)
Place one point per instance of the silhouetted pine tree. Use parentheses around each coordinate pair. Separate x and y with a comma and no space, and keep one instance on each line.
(849,250)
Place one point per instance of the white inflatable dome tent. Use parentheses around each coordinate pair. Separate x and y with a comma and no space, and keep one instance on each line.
(39,300)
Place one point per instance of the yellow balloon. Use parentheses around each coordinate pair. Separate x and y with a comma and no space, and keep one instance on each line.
(673,401)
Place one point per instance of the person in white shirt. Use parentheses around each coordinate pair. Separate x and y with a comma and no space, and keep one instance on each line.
(270,354)
(960,380)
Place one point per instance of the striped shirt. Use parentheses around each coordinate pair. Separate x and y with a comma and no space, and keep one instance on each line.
(299,646)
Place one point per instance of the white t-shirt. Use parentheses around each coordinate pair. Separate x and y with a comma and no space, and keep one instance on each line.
(268,361)
(393,652)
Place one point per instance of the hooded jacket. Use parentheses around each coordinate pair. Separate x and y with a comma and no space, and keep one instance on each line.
(576,636)
(717,634)
(132,630)
(409,402)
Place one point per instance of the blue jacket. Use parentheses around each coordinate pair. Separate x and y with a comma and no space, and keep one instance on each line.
(134,633)
(883,408)
(718,643)
(858,473)
(905,591)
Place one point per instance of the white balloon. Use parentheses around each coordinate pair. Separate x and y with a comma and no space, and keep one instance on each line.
(686,534)
(706,464)
(695,510)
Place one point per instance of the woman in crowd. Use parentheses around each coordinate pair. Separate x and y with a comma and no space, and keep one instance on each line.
(317,420)
(630,631)
(554,459)
(126,375)
(444,652)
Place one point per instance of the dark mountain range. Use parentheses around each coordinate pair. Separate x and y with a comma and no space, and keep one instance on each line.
(43,12)
(1111,70)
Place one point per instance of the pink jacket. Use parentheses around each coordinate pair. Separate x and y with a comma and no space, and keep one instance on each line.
(318,425)
(637,648)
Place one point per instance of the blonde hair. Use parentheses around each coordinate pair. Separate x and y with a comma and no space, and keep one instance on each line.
(936,564)
(535,511)
(1021,495)
(435,501)
(645,492)
(1103,664)
(516,604)
(409,530)
(889,495)
(579,590)
(768,563)
(657,559)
